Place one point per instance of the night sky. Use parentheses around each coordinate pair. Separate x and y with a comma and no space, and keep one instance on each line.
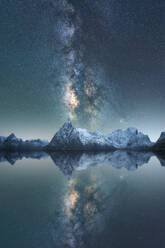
(101,63)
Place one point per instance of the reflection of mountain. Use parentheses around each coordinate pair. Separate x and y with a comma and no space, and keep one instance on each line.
(161,157)
(69,161)
(12,157)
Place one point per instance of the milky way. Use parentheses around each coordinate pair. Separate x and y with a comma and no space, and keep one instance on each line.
(83,84)
(101,63)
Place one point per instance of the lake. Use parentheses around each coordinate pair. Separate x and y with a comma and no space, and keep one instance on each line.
(82,200)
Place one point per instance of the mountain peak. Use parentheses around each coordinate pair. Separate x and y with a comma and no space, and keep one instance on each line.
(64,135)
(11,137)
(68,124)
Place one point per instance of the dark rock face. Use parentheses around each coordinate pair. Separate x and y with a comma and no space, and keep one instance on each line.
(160,143)
(71,138)
(12,143)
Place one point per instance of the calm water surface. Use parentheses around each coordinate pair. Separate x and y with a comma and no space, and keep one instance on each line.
(96,205)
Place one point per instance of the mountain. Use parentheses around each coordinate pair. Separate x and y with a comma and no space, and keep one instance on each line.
(71,138)
(12,143)
(129,139)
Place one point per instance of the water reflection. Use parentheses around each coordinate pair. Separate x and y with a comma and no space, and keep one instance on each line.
(99,206)
(13,157)
(68,162)
(84,210)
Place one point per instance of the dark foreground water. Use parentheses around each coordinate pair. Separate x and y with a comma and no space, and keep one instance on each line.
(91,200)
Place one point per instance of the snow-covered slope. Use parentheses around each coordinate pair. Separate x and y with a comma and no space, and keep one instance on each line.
(129,139)
(71,138)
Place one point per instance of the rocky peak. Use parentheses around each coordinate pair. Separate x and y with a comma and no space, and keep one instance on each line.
(70,138)
(67,138)
(11,138)
(65,131)
(67,127)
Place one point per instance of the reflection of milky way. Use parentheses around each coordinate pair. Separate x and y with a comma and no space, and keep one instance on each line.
(71,199)
(83,93)
(83,202)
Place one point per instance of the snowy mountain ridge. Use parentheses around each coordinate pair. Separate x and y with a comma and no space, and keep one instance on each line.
(70,138)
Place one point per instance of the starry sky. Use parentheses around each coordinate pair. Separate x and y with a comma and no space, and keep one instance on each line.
(100,63)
